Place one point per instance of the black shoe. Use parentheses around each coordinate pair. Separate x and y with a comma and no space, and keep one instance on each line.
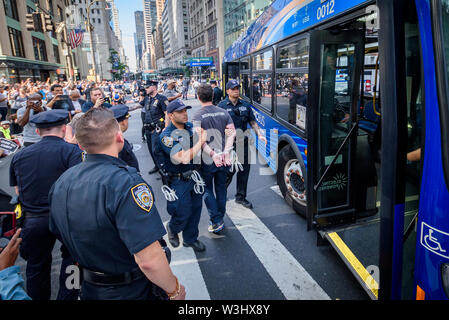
(173,238)
(154,170)
(143,139)
(197,246)
(244,203)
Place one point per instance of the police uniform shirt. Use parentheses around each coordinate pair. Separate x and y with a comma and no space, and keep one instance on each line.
(172,141)
(213,117)
(242,113)
(104,213)
(128,156)
(156,107)
(37,167)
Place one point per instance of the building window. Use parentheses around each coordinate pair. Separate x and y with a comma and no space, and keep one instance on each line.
(15,38)
(50,6)
(56,54)
(11,9)
(40,52)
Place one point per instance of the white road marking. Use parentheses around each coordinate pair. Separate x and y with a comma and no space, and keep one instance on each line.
(277,190)
(184,265)
(291,278)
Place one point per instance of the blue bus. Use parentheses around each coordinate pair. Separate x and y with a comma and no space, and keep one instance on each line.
(353,96)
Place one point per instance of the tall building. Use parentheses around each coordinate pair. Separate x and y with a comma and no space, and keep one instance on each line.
(198,37)
(103,37)
(28,54)
(139,39)
(238,16)
(150,20)
(116,27)
(175,31)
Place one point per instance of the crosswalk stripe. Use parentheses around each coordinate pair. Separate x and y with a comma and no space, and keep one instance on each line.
(184,265)
(290,276)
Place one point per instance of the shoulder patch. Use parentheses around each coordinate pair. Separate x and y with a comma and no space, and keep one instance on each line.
(142,196)
(167,141)
(166,102)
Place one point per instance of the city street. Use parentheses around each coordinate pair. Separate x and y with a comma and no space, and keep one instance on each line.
(263,254)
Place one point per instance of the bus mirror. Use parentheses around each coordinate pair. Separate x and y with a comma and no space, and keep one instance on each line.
(445,277)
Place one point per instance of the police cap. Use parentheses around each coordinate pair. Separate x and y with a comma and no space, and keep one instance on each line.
(232,84)
(50,118)
(177,105)
(121,112)
(150,83)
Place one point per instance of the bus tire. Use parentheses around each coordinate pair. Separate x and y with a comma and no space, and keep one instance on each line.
(291,180)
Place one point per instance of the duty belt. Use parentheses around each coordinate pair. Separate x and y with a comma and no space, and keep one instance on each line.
(103,279)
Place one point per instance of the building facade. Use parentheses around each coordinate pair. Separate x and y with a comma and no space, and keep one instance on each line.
(29,54)
(150,20)
(175,34)
(139,39)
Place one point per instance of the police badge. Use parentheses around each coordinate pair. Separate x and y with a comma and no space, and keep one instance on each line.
(143,197)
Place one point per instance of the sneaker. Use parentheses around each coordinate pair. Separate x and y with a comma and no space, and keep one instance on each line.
(215,228)
(244,203)
(197,246)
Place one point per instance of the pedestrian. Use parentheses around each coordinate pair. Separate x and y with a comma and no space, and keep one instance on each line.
(185,87)
(96,100)
(3,102)
(155,106)
(195,86)
(32,173)
(33,107)
(179,146)
(77,102)
(121,114)
(170,93)
(242,115)
(216,155)
(59,100)
(218,93)
(114,235)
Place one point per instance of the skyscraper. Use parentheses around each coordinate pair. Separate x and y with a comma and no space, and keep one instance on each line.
(139,38)
(150,19)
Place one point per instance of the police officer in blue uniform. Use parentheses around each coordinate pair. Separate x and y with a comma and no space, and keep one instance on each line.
(155,106)
(121,114)
(32,172)
(106,215)
(179,147)
(242,115)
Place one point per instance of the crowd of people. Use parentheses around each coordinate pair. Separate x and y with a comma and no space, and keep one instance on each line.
(73,143)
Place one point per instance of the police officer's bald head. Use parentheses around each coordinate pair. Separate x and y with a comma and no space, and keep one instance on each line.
(98,130)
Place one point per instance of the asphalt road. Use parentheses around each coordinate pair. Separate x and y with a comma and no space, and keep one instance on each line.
(264,254)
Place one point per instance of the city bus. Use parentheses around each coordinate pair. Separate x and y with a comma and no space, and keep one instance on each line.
(353,98)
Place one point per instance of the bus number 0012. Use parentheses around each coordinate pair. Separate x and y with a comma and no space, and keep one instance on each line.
(325,10)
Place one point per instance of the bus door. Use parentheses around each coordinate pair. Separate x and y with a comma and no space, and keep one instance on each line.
(336,61)
(231,71)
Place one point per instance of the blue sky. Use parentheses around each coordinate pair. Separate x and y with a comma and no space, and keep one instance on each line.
(126,10)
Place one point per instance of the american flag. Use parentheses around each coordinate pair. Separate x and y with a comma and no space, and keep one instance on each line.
(76,37)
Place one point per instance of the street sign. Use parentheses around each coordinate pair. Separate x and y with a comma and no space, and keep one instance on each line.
(202,61)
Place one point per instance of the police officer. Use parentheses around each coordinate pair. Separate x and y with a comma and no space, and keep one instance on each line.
(121,114)
(114,234)
(179,148)
(155,106)
(218,93)
(32,172)
(242,115)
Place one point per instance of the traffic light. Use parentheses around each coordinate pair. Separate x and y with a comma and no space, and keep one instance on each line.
(47,24)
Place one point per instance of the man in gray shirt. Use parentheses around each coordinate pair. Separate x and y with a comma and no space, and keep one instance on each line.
(3,102)
(216,159)
(24,114)
(170,93)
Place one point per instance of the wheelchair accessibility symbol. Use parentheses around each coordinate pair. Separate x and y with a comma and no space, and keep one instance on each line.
(435,240)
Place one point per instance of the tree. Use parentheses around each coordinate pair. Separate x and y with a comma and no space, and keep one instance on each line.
(118,68)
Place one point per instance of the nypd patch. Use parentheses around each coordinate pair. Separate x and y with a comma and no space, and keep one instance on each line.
(143,197)
(167,141)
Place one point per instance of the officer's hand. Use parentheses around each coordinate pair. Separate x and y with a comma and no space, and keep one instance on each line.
(202,134)
(263,139)
(229,132)
(9,254)
(182,293)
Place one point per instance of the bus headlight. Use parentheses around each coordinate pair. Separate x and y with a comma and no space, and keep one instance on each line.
(445,277)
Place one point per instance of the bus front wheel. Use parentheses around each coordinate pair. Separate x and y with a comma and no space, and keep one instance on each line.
(291,181)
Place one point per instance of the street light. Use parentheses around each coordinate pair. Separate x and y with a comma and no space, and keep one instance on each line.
(89,29)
